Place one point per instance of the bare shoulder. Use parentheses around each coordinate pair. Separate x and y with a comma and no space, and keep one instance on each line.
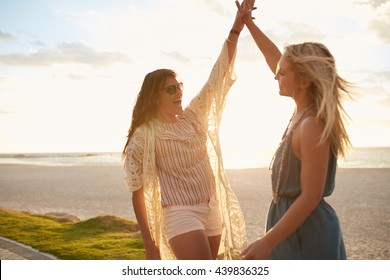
(307,135)
(311,129)
(312,122)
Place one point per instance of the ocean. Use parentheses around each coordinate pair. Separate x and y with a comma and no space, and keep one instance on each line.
(373,157)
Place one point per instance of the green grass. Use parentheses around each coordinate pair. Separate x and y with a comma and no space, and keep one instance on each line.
(99,238)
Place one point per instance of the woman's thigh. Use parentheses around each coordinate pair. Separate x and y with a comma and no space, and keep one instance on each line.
(214,242)
(193,245)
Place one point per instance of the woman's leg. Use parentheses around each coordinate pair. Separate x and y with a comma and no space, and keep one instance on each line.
(214,227)
(193,245)
(214,242)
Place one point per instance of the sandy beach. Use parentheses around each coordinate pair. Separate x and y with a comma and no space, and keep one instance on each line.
(361,199)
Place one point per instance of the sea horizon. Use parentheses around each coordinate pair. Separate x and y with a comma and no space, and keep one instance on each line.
(360,157)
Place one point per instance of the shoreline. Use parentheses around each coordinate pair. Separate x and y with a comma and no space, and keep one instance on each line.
(361,198)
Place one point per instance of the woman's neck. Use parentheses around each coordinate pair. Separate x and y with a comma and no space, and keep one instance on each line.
(303,107)
(303,102)
(166,118)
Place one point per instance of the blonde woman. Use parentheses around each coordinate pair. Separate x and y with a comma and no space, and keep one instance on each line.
(300,223)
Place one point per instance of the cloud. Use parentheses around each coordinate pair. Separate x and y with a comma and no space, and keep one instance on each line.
(215,6)
(76,77)
(380,97)
(177,56)
(375,77)
(373,3)
(381,77)
(6,112)
(385,102)
(65,53)
(381,23)
(379,20)
(37,43)
(6,36)
(295,32)
(385,75)
(379,94)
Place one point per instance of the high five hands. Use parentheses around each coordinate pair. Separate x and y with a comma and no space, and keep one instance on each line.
(244,10)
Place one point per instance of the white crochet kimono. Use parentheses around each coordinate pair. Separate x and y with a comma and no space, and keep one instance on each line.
(140,162)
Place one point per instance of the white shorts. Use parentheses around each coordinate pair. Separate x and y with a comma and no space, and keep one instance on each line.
(180,219)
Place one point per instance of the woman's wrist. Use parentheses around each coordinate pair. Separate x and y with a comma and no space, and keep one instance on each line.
(149,244)
(270,240)
(247,20)
(234,31)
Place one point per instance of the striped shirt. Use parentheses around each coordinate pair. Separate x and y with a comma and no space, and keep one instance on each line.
(182,161)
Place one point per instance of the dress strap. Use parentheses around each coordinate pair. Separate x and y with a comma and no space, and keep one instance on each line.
(288,126)
(305,113)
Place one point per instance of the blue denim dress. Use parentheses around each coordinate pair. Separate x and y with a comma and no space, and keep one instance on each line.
(319,237)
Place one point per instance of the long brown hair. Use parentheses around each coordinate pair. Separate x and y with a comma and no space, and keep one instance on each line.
(313,62)
(145,107)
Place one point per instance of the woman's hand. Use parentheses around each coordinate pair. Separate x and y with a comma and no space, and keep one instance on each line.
(152,252)
(244,10)
(258,250)
(238,24)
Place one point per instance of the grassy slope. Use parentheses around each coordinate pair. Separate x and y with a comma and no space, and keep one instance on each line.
(99,238)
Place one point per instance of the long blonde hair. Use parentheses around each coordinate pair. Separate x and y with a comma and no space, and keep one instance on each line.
(314,62)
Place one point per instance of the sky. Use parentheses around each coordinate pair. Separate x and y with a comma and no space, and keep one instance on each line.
(70,70)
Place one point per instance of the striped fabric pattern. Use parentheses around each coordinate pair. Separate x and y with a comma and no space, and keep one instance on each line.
(182,162)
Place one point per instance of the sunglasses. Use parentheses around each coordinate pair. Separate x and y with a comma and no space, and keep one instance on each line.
(172,89)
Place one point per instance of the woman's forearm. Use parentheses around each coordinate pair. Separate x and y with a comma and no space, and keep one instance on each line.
(232,43)
(142,219)
(267,47)
(234,34)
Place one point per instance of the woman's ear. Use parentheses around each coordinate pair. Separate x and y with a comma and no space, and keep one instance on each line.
(305,84)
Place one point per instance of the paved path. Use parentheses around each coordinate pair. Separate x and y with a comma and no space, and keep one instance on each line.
(12,250)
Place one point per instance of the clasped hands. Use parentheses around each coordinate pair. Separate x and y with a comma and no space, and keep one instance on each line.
(244,10)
